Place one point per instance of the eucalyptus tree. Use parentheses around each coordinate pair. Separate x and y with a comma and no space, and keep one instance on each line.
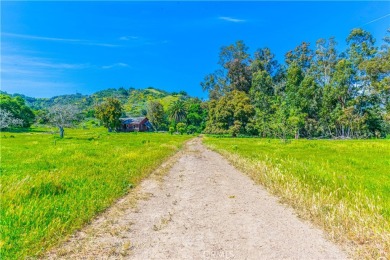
(325,60)
(234,72)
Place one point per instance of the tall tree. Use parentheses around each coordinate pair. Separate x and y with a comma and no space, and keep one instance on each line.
(235,59)
(264,60)
(324,61)
(155,113)
(234,74)
(302,55)
(262,97)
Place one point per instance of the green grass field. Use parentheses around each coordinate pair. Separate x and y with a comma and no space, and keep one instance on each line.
(343,186)
(52,187)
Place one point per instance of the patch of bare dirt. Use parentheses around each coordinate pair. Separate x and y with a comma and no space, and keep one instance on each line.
(203,208)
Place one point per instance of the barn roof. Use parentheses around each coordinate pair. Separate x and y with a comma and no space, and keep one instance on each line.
(132,120)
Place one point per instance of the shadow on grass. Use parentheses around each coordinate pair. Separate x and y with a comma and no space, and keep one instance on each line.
(25,130)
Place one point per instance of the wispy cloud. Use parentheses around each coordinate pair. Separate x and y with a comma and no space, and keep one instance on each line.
(377,19)
(39,88)
(138,41)
(36,76)
(28,62)
(129,38)
(54,39)
(231,19)
(116,65)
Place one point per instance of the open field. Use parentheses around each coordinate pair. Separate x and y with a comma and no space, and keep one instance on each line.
(200,208)
(342,186)
(51,187)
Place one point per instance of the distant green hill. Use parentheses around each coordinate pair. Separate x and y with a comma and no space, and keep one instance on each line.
(133,100)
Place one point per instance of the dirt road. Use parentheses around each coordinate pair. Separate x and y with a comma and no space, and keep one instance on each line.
(202,209)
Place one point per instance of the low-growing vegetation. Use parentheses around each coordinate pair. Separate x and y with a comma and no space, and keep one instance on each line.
(51,187)
(341,185)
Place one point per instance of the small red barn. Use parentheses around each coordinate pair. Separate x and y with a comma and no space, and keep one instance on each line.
(135,124)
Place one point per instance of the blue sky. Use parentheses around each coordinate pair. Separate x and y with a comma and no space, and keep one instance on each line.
(54,48)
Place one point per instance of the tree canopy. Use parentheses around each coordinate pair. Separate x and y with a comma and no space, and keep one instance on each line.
(16,108)
(318,92)
(109,113)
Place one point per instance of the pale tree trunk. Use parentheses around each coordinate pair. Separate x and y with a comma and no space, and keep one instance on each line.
(61,131)
(297,134)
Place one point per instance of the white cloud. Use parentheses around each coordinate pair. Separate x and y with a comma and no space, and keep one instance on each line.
(231,19)
(32,63)
(36,76)
(66,40)
(129,38)
(116,65)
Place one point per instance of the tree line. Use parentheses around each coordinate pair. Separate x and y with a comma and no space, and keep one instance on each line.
(184,115)
(316,93)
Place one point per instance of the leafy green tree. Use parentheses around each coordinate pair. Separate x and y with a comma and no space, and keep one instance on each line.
(302,56)
(234,106)
(235,60)
(109,113)
(155,113)
(264,60)
(17,108)
(281,125)
(181,128)
(236,128)
(361,46)
(171,130)
(294,99)
(315,94)
(196,115)
(234,73)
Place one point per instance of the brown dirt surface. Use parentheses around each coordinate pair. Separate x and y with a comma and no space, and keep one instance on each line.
(202,208)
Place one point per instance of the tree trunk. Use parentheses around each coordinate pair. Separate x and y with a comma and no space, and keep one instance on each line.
(61,131)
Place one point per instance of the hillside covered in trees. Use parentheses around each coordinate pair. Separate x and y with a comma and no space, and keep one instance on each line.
(164,109)
(133,100)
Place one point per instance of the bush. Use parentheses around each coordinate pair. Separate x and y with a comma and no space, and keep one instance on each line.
(181,128)
(171,130)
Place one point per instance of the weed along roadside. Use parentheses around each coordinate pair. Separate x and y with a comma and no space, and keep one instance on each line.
(341,186)
(52,188)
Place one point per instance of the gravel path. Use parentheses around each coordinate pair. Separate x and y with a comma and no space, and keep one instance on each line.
(202,209)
